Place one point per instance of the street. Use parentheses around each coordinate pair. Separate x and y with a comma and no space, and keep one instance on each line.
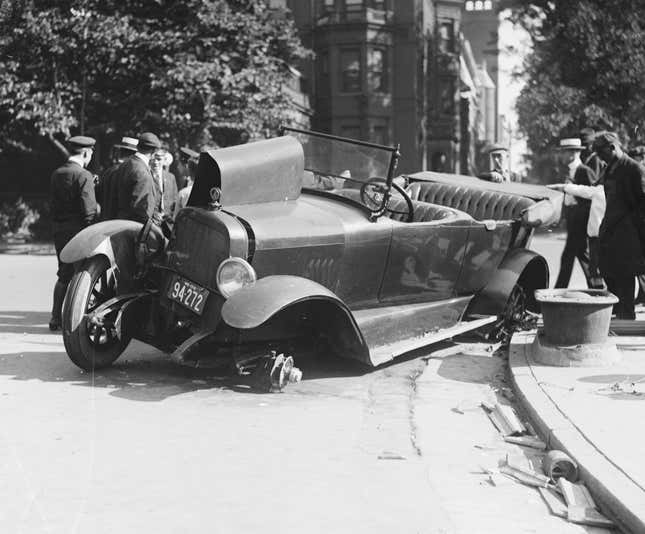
(148,446)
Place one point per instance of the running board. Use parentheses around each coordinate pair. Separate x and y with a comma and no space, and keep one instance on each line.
(385,353)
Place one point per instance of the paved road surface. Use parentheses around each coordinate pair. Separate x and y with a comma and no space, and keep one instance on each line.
(150,447)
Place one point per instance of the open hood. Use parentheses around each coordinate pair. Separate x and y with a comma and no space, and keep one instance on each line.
(263,171)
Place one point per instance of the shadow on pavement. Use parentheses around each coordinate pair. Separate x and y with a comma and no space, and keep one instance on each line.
(25,322)
(142,373)
(472,368)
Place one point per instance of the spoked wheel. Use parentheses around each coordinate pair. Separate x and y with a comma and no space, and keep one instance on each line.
(373,191)
(91,345)
(513,318)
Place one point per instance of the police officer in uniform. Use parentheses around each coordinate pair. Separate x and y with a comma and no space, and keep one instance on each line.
(73,208)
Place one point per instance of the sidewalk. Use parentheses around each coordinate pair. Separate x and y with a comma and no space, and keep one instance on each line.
(597,416)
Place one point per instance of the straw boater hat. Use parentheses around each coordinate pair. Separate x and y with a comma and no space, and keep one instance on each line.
(571,143)
(128,143)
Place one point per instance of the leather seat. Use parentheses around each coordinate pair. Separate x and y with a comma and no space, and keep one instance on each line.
(478,203)
(423,212)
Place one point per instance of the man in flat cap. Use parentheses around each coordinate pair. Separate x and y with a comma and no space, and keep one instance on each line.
(622,230)
(498,165)
(73,208)
(135,188)
(107,190)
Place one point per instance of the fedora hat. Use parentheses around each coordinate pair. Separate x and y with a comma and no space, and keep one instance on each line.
(149,140)
(571,143)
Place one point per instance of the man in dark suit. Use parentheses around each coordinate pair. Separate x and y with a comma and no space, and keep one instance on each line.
(576,212)
(136,195)
(73,206)
(621,231)
(107,188)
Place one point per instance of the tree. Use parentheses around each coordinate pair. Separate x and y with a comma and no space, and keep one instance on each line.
(587,68)
(195,71)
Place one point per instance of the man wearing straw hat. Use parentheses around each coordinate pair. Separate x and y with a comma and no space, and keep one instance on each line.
(576,212)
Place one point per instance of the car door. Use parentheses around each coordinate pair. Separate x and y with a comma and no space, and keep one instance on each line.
(424,261)
(487,244)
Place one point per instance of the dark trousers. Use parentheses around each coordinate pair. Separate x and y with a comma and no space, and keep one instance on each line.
(623,288)
(575,247)
(595,278)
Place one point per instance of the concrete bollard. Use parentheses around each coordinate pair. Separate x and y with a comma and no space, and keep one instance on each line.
(576,328)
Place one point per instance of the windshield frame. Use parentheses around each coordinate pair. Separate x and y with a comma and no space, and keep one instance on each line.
(394,158)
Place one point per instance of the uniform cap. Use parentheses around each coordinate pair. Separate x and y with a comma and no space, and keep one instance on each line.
(128,143)
(571,143)
(81,141)
(149,140)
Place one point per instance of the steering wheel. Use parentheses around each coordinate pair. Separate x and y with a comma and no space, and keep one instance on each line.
(373,191)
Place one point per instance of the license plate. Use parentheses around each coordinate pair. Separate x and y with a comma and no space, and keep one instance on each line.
(188,294)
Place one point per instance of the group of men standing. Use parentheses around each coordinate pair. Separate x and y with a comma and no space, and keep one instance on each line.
(138,187)
(604,207)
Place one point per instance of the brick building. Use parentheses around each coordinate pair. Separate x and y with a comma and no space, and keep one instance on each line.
(394,71)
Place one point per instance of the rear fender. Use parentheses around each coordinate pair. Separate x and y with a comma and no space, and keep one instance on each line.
(116,240)
(273,296)
(520,266)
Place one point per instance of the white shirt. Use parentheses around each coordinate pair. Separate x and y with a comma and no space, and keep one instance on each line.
(569,200)
(77,158)
(595,193)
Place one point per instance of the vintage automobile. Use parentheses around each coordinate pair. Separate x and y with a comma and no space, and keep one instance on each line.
(309,237)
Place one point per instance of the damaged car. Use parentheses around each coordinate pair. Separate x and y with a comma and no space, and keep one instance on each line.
(308,237)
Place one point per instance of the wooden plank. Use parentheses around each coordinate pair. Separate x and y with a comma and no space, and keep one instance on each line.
(555,504)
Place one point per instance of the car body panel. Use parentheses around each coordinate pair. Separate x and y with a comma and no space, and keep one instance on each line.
(116,240)
(329,242)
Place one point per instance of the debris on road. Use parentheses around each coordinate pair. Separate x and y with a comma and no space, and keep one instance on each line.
(581,507)
(389,455)
(557,464)
(504,418)
(554,502)
(525,475)
(527,441)
(271,373)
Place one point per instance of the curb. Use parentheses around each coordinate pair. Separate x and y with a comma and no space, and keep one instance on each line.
(616,494)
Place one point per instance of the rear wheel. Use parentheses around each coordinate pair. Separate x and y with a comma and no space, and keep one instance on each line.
(90,346)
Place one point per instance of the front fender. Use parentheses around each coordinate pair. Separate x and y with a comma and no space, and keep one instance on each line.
(113,239)
(520,266)
(255,304)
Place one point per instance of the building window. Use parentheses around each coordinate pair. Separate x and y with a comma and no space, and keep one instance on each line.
(447,36)
(377,70)
(350,70)
(447,97)
(323,69)
(326,6)
(353,5)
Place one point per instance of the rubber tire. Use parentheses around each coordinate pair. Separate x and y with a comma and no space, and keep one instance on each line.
(75,333)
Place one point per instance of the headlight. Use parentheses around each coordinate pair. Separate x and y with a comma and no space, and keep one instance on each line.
(234,274)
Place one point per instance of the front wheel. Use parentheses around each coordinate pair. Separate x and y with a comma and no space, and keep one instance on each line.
(90,346)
